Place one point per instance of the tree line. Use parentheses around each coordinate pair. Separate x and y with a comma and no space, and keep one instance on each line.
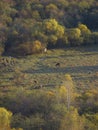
(27,27)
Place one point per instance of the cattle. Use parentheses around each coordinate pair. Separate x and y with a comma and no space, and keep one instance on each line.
(35,81)
(57,64)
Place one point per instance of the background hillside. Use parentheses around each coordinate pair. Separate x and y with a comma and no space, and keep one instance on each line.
(28,26)
(48,64)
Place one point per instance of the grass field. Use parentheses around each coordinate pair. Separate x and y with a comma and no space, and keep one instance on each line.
(40,69)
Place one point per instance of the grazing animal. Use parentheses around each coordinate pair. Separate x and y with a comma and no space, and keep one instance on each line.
(35,81)
(38,87)
(45,50)
(89,72)
(57,64)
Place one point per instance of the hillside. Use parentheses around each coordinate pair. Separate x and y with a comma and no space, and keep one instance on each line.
(27,27)
(48,64)
(80,63)
(36,86)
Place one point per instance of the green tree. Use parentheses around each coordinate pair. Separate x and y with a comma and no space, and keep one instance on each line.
(6,12)
(86,102)
(3,37)
(92,38)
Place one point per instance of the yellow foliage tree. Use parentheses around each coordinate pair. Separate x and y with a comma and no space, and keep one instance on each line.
(68,83)
(74,36)
(52,10)
(53,30)
(84,29)
(5,118)
(37,47)
(72,121)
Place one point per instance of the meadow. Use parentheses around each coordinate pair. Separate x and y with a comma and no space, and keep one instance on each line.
(40,70)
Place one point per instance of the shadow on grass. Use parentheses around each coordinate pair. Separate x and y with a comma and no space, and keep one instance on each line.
(81,54)
(78,69)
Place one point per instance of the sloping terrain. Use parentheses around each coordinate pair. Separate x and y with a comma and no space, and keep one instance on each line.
(48,70)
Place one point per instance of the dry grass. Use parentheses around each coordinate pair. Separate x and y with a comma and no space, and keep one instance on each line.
(80,63)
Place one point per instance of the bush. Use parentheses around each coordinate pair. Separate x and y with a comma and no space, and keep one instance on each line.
(74,36)
(27,48)
(5,119)
(1,50)
(36,47)
(94,37)
(91,38)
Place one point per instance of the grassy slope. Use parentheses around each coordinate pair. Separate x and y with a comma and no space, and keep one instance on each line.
(80,63)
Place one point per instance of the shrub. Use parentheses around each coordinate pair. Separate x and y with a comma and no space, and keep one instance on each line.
(1,50)
(27,48)
(36,47)
(5,119)
(74,36)
(91,38)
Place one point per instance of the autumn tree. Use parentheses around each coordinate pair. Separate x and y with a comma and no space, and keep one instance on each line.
(65,93)
(72,121)
(5,119)
(84,29)
(53,30)
(74,36)
(69,87)
(52,10)
(87,101)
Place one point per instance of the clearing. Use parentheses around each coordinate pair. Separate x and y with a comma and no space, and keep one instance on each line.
(41,69)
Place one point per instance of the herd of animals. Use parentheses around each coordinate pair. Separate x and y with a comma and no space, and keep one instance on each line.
(10,61)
